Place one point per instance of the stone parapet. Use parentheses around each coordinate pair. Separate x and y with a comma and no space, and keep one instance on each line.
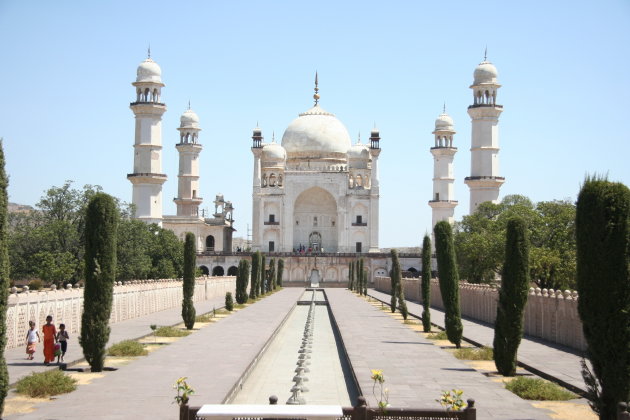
(131,299)
(549,314)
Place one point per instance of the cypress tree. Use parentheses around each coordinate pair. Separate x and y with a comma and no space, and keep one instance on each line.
(229,301)
(272,274)
(263,275)
(350,285)
(426,284)
(394,274)
(508,327)
(360,276)
(4,278)
(280,271)
(101,224)
(365,276)
(253,291)
(399,293)
(190,265)
(449,281)
(242,279)
(603,278)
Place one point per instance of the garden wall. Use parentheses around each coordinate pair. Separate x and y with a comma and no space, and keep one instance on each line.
(549,314)
(131,300)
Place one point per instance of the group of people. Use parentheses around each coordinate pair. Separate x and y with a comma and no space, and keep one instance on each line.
(55,342)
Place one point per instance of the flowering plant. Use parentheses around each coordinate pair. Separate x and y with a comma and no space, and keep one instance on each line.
(452,402)
(377,377)
(183,391)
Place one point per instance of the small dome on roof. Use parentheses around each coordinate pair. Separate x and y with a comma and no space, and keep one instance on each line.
(149,71)
(444,122)
(359,151)
(485,72)
(273,153)
(189,119)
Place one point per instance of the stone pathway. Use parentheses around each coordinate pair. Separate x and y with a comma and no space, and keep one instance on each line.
(415,370)
(543,358)
(212,358)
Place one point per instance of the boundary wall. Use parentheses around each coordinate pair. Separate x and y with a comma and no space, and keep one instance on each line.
(131,299)
(551,315)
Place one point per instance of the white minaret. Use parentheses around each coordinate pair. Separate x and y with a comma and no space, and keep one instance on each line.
(484,180)
(147,177)
(443,201)
(257,148)
(188,199)
(375,151)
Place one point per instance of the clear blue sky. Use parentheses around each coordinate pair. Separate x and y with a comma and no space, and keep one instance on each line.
(564,66)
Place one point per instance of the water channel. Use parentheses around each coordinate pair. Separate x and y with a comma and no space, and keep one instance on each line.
(308,340)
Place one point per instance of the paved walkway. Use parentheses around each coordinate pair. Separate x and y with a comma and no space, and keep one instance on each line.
(540,357)
(124,330)
(213,359)
(415,370)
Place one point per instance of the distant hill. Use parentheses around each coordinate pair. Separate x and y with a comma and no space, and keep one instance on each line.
(19,208)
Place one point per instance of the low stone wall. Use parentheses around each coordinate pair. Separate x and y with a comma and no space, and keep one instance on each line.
(131,300)
(549,314)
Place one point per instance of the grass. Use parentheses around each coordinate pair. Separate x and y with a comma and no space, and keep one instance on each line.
(471,353)
(171,332)
(45,384)
(441,335)
(127,348)
(205,317)
(538,389)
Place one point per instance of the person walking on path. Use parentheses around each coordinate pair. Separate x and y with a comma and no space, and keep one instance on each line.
(62,338)
(32,337)
(50,334)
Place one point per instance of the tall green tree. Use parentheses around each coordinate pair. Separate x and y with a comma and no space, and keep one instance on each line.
(100,274)
(190,266)
(132,253)
(508,326)
(350,279)
(4,277)
(394,275)
(263,275)
(426,284)
(398,292)
(603,277)
(242,278)
(449,281)
(272,274)
(360,276)
(365,281)
(280,271)
(253,291)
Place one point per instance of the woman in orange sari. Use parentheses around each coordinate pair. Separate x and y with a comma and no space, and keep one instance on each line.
(50,332)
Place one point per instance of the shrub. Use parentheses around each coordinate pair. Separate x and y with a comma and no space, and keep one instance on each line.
(538,389)
(35,284)
(426,284)
(171,332)
(603,277)
(45,384)
(229,302)
(508,326)
(188,285)
(101,223)
(449,281)
(4,279)
(127,348)
(479,353)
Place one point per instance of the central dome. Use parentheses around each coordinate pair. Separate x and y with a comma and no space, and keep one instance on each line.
(316,134)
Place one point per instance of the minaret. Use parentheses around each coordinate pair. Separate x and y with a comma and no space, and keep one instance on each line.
(375,151)
(484,180)
(443,201)
(257,215)
(188,199)
(147,177)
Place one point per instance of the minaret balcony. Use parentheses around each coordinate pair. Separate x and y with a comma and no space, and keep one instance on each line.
(147,103)
(147,178)
(485,106)
(193,200)
(484,181)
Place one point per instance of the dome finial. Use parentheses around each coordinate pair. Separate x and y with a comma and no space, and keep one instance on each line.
(485,54)
(316,96)
(189,104)
(149,51)
(444,108)
(273,136)
(359,140)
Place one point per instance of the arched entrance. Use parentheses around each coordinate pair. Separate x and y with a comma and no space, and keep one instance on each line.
(315,221)
(204,270)
(218,271)
(232,271)
(210,243)
(314,278)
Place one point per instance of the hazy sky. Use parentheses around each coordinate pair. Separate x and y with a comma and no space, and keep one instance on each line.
(67,67)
